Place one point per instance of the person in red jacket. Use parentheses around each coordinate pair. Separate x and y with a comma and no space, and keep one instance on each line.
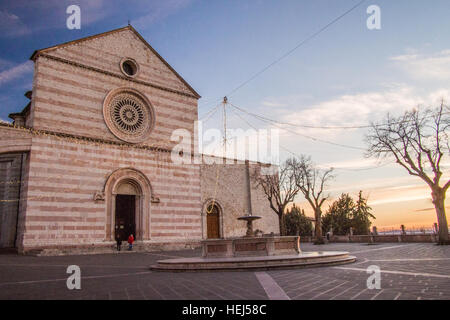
(130,242)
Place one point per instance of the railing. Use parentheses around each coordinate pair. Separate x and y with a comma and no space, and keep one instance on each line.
(410,230)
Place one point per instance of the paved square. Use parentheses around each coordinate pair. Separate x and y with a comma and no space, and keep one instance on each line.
(408,271)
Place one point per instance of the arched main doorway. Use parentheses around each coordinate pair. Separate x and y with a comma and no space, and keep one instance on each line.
(127,200)
(213,221)
(127,194)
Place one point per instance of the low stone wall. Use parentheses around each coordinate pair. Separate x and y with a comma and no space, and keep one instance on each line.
(109,247)
(425,238)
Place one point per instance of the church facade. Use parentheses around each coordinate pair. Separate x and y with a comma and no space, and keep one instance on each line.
(89,158)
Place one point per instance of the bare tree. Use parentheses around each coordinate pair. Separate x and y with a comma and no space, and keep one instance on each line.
(312,183)
(418,141)
(280,189)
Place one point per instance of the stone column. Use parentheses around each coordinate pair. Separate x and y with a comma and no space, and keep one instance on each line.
(249,192)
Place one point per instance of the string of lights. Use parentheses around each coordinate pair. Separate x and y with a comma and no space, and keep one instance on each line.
(300,44)
(209,114)
(289,52)
(297,155)
(367,126)
(304,135)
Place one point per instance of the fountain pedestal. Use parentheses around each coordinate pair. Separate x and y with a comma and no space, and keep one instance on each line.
(249,219)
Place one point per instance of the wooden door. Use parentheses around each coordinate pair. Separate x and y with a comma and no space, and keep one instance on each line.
(212,222)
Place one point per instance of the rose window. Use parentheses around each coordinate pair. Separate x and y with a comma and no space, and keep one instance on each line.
(128,115)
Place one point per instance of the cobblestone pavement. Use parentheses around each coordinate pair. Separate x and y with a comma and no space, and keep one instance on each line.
(408,271)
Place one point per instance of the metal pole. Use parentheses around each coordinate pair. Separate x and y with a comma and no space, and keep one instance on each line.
(225,100)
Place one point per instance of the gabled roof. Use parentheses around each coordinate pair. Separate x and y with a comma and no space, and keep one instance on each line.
(128,27)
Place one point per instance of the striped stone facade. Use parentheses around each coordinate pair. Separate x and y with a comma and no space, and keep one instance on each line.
(73,167)
(11,178)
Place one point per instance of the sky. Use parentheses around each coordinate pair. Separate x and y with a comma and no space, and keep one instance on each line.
(347,75)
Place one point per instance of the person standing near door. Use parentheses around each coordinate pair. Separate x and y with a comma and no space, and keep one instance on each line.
(118,240)
(130,242)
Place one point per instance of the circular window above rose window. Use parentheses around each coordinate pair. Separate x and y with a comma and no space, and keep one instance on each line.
(128,115)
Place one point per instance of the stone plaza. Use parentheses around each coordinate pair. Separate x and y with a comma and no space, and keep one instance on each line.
(408,272)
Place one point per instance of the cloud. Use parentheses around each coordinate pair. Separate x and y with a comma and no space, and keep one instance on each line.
(158,11)
(434,66)
(31,12)
(287,102)
(408,186)
(352,110)
(16,72)
(398,199)
(273,104)
(4,64)
(359,163)
(24,17)
(93,11)
(11,25)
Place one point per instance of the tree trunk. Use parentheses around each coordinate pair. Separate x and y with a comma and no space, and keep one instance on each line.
(438,196)
(281,223)
(318,227)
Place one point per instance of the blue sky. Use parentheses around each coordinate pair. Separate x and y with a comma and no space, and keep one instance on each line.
(347,75)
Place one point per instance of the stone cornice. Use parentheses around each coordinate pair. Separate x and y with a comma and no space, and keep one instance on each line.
(84,139)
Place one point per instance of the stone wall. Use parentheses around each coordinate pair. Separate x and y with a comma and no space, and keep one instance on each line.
(226,183)
(261,207)
(385,238)
(66,169)
(15,141)
(65,175)
(10,187)
(69,97)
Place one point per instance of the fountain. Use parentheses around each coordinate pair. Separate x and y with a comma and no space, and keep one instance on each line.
(249,219)
(250,252)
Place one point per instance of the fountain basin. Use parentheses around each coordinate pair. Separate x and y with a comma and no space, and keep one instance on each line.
(301,260)
(253,253)
(251,246)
